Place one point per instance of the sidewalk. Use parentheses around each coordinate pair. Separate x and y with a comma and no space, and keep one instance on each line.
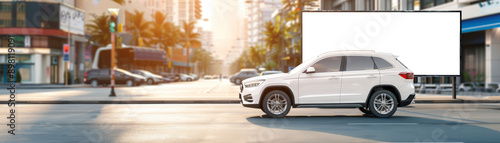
(46,86)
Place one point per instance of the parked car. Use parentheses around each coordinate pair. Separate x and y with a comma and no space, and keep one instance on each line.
(207,77)
(185,77)
(375,83)
(493,87)
(96,77)
(194,76)
(471,87)
(242,75)
(172,76)
(151,78)
(270,72)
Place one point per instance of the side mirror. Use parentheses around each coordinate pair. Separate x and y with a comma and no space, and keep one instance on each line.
(310,70)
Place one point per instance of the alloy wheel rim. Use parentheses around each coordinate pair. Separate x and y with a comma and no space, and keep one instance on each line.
(276,104)
(94,83)
(384,103)
(129,83)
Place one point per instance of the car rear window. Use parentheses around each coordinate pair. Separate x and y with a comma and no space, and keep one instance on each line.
(356,63)
(381,63)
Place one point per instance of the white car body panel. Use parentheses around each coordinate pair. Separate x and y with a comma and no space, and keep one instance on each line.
(356,85)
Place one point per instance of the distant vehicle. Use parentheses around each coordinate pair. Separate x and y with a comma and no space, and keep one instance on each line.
(185,77)
(270,72)
(194,76)
(207,77)
(471,87)
(242,75)
(96,77)
(493,87)
(172,76)
(151,78)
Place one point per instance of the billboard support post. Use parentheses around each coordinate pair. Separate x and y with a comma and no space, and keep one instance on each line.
(454,87)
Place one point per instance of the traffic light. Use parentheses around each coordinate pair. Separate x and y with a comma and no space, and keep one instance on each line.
(112,23)
(118,42)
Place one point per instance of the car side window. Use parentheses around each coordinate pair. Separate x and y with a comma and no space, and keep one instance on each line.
(381,63)
(331,64)
(356,63)
(104,72)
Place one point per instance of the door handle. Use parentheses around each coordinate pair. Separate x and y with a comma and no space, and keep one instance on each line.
(334,77)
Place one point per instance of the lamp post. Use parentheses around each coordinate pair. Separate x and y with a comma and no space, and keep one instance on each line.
(112,28)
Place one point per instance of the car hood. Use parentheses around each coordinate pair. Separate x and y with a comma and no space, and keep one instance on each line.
(265,77)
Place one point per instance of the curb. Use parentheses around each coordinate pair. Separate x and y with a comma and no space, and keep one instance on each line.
(131,102)
(209,101)
(457,101)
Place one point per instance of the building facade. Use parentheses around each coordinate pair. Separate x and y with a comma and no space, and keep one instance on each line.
(257,13)
(480,38)
(40,29)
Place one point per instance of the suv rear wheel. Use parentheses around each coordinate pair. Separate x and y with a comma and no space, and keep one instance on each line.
(150,81)
(383,103)
(276,104)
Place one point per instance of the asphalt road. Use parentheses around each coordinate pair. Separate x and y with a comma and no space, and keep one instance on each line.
(84,123)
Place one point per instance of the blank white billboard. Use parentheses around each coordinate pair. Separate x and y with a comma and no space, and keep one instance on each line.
(428,43)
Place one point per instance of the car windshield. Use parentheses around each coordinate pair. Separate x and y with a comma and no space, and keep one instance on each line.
(301,66)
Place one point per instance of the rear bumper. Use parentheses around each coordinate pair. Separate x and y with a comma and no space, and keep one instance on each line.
(407,101)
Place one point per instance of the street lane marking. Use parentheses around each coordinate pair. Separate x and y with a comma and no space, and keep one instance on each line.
(210,89)
(364,124)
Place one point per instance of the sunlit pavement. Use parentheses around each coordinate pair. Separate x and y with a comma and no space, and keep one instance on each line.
(196,90)
(83,123)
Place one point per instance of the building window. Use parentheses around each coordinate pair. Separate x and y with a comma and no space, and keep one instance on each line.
(39,41)
(432,3)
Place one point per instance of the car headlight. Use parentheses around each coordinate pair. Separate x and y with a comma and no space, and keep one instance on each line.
(253,83)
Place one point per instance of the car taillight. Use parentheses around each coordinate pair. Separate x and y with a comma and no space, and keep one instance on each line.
(406,75)
(85,76)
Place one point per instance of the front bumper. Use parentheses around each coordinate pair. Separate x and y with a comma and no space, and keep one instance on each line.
(249,97)
(407,101)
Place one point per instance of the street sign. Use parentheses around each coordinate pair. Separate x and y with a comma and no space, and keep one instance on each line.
(66,52)
(66,57)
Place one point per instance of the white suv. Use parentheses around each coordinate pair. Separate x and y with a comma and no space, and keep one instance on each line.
(376,83)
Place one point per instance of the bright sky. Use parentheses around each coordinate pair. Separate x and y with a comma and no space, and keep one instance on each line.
(225,20)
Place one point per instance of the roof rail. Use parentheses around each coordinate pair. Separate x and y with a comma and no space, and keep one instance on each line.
(373,51)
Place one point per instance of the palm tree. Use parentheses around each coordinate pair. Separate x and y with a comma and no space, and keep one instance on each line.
(275,35)
(256,55)
(204,59)
(120,2)
(164,32)
(99,29)
(138,26)
(189,38)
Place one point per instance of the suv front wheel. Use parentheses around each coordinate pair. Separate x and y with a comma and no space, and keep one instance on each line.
(383,103)
(276,104)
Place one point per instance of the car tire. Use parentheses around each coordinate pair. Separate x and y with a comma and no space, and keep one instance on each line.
(130,83)
(189,79)
(237,81)
(461,90)
(383,103)
(365,110)
(94,83)
(150,82)
(276,104)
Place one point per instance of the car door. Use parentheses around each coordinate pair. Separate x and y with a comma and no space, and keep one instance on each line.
(104,76)
(359,77)
(323,86)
